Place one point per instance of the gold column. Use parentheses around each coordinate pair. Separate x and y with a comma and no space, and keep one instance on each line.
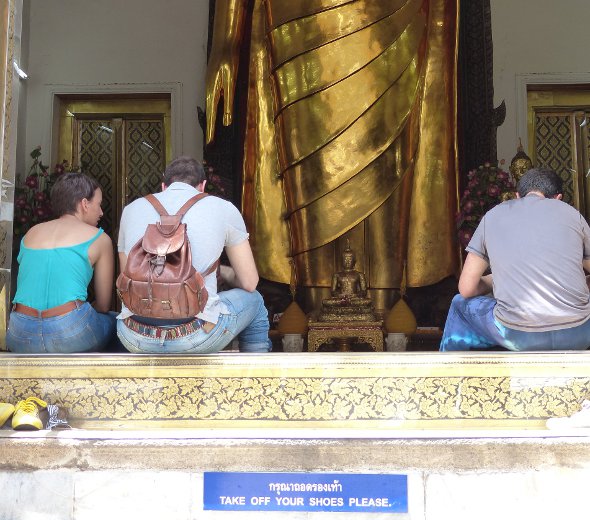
(7,175)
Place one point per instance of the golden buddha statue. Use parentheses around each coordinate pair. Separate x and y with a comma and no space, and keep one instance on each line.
(350,132)
(349,300)
(520,164)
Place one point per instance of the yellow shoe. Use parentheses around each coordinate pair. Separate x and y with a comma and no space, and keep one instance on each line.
(26,414)
(6,410)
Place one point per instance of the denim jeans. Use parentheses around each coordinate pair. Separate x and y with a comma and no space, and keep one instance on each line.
(471,325)
(247,320)
(80,330)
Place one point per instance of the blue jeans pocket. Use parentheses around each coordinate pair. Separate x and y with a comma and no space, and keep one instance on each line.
(76,339)
(23,344)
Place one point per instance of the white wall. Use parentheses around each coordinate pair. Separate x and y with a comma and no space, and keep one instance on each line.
(89,42)
(92,42)
(535,36)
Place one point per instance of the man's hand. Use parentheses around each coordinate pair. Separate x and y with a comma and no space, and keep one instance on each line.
(472,282)
(242,273)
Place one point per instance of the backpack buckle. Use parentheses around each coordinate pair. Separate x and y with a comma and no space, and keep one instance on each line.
(166,305)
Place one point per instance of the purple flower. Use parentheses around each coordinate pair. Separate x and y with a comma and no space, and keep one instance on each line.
(493,190)
(31,181)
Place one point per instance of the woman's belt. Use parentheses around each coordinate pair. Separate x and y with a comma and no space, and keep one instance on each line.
(60,310)
(168,332)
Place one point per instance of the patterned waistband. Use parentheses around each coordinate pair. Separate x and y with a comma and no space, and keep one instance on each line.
(167,332)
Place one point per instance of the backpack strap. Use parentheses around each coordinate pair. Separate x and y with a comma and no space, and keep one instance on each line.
(181,212)
(212,268)
(189,203)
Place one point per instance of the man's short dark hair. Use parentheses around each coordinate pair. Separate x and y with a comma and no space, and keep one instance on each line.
(543,180)
(184,169)
(69,189)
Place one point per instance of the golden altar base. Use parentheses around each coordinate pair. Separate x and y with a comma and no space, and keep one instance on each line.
(344,334)
(355,390)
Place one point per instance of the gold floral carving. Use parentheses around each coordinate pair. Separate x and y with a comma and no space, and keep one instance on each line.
(351,391)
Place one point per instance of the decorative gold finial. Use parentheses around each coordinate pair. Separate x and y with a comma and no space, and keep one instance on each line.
(293,320)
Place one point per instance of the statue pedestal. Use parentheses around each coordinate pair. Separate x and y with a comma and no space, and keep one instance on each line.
(345,333)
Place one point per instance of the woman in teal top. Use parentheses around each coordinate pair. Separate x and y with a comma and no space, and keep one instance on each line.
(57,261)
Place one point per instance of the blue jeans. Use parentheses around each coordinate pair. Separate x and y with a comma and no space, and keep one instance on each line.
(80,330)
(471,325)
(247,320)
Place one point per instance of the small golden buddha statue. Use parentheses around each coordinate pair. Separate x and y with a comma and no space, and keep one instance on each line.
(520,164)
(349,301)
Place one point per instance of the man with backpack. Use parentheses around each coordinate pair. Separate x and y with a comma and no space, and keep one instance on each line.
(171,307)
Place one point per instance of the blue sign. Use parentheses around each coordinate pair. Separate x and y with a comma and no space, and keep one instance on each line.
(366,493)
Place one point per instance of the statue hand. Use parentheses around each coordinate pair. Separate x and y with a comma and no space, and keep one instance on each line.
(222,68)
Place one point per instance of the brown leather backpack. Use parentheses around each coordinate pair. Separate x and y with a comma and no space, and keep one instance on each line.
(159,280)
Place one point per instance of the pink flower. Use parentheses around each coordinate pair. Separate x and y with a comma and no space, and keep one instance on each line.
(31,181)
(468,206)
(472,183)
(502,175)
(39,196)
(493,190)
(41,213)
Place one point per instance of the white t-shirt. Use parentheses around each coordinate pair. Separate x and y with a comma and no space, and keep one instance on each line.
(212,224)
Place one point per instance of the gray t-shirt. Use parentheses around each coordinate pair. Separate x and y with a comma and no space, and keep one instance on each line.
(535,247)
(212,224)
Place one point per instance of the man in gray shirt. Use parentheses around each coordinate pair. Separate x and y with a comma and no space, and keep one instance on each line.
(213,225)
(537,248)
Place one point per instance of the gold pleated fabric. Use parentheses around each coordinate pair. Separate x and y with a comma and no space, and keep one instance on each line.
(351,131)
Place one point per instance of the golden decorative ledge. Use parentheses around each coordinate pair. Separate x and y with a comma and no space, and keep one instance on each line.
(315,390)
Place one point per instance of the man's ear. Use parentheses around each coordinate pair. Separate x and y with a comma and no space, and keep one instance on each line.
(164,187)
(201,185)
(559,196)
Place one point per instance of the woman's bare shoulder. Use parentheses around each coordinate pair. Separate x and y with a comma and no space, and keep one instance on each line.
(60,233)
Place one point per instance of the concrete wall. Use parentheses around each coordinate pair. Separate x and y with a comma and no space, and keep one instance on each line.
(535,37)
(150,479)
(109,44)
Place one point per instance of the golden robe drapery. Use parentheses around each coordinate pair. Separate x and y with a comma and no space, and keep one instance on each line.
(351,129)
